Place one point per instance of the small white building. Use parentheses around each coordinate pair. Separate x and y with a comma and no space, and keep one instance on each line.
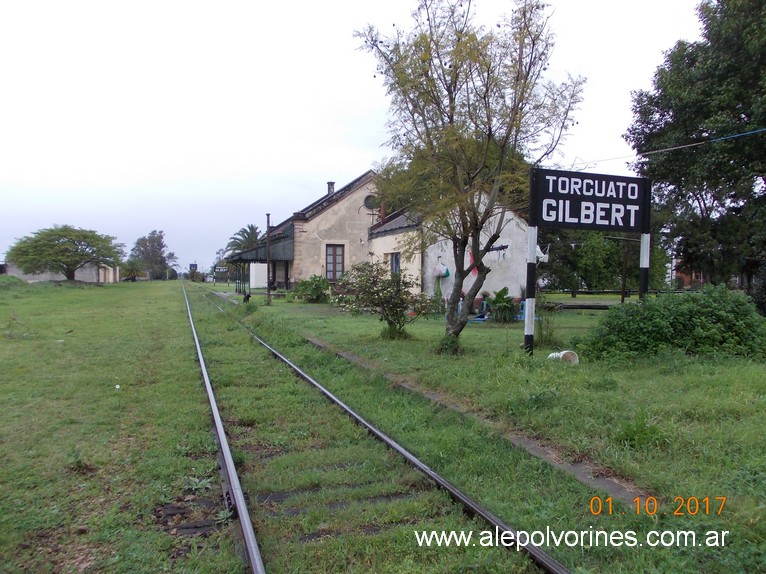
(87,274)
(507,259)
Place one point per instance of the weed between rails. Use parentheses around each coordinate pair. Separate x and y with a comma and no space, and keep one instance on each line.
(329,497)
(623,414)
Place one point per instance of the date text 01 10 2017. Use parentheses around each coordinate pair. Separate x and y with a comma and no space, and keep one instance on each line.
(681,506)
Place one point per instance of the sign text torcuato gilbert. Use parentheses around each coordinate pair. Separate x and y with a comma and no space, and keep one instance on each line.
(589,201)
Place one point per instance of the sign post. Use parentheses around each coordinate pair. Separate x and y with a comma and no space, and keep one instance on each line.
(268,259)
(577,200)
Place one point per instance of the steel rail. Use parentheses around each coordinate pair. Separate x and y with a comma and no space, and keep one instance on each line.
(538,556)
(252,554)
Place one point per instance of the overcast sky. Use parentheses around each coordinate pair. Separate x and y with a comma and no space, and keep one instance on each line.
(198,118)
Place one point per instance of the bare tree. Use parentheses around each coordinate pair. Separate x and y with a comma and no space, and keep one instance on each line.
(470,110)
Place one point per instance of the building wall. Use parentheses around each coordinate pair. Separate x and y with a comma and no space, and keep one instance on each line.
(343,223)
(383,246)
(87,274)
(509,265)
(297,265)
(108,274)
(257,275)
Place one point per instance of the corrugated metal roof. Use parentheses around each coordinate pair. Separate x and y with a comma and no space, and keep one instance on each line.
(282,248)
(395,223)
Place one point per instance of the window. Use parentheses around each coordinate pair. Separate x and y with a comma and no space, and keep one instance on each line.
(334,262)
(395,259)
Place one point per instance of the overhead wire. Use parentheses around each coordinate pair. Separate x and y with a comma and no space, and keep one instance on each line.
(684,146)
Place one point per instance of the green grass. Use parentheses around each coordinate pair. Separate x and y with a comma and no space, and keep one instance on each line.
(86,465)
(103,420)
(675,426)
(325,496)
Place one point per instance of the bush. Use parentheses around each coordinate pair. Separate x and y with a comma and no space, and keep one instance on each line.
(502,307)
(370,287)
(315,289)
(711,322)
(196,277)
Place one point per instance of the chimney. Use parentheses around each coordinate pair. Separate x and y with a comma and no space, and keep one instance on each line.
(330,187)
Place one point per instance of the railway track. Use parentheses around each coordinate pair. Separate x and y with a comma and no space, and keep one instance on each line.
(326,493)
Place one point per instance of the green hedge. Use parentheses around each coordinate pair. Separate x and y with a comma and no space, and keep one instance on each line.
(709,322)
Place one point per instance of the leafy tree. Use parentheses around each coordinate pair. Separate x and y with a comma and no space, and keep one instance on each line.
(560,272)
(468,106)
(64,249)
(152,252)
(707,184)
(759,290)
(370,287)
(599,262)
(132,269)
(594,260)
(244,239)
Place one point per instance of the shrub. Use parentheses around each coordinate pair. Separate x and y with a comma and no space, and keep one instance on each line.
(710,322)
(369,287)
(503,307)
(315,289)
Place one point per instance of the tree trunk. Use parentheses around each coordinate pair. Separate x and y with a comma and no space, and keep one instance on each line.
(456,322)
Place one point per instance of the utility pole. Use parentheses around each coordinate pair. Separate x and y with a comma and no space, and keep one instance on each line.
(268,259)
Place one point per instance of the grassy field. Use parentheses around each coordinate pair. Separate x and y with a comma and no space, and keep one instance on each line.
(103,423)
(681,429)
(87,467)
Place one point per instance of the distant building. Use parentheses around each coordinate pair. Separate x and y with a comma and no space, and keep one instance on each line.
(87,274)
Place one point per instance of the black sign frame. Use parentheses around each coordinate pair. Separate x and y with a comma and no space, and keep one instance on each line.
(592,201)
(588,201)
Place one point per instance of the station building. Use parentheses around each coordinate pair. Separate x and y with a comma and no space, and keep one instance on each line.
(347,226)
